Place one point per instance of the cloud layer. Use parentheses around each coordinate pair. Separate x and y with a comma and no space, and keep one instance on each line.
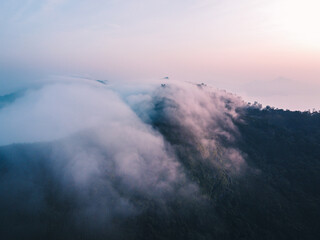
(96,154)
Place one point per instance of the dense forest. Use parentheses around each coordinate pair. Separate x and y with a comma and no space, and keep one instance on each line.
(258,180)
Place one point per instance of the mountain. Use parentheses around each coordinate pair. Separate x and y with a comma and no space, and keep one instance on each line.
(192,163)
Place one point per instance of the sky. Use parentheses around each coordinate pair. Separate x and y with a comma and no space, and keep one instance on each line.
(265,51)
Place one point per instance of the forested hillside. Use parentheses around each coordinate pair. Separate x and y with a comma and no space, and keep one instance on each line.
(231,171)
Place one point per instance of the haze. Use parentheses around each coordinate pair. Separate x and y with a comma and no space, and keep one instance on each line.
(265,51)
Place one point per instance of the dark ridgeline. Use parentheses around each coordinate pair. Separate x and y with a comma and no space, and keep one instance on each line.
(277,196)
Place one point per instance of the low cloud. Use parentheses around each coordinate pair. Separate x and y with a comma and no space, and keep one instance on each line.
(93,155)
(196,115)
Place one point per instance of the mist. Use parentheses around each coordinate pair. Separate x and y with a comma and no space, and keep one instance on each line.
(98,148)
(91,158)
(159,119)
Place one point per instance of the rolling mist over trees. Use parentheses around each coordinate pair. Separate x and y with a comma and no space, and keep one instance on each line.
(177,161)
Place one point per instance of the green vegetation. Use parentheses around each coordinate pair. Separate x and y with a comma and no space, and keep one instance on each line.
(276,196)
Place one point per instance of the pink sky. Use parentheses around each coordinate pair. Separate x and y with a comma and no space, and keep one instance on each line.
(229,44)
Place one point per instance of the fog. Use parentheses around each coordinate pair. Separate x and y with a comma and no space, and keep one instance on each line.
(98,147)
